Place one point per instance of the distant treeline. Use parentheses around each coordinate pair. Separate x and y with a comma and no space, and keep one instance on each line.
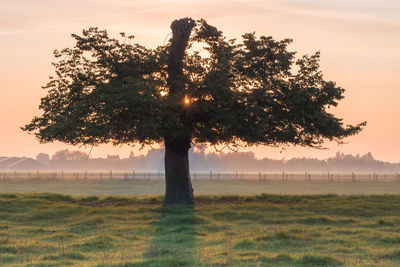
(202,162)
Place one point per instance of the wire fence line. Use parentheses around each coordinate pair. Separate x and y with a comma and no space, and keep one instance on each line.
(211,175)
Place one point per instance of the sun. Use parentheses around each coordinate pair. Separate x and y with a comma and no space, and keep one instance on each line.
(187,100)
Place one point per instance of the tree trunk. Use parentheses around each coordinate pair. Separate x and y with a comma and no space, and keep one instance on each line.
(181,30)
(178,187)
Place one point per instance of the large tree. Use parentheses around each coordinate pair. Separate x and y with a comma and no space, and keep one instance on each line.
(198,88)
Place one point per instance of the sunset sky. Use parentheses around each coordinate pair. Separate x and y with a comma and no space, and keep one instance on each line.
(359,43)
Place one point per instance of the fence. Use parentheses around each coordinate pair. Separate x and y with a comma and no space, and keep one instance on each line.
(244,176)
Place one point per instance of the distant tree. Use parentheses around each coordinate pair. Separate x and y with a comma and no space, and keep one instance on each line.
(113,157)
(368,157)
(43,158)
(226,92)
(69,155)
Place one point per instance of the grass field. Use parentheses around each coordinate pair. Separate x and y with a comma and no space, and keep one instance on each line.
(263,230)
(154,187)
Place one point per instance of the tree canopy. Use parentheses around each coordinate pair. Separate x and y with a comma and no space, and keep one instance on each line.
(249,91)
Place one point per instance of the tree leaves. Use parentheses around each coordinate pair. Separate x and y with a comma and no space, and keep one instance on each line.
(109,90)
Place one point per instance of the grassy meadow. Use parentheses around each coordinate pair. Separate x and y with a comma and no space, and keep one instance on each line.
(264,230)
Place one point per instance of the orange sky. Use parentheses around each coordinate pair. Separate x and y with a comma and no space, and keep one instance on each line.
(359,42)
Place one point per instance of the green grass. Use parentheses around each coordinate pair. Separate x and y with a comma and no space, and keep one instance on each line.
(259,230)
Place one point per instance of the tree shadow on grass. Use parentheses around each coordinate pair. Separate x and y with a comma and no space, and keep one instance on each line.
(174,243)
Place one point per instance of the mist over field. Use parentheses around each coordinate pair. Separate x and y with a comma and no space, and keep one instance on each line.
(199,162)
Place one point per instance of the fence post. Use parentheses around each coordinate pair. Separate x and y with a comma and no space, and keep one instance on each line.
(133,174)
(110,174)
(210,175)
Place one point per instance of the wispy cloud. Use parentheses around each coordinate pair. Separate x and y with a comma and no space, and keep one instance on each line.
(79,19)
(388,15)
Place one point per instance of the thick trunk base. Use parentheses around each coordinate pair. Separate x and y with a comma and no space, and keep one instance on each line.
(178,186)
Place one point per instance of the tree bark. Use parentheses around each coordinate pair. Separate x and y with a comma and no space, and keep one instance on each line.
(181,30)
(178,187)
